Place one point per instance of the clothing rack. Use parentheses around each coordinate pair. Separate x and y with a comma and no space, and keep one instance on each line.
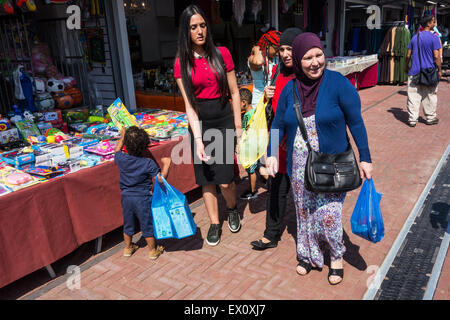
(384,24)
(393,24)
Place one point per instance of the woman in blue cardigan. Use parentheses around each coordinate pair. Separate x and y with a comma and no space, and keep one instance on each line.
(329,103)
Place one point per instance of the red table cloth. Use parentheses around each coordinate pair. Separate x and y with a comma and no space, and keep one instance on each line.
(42,223)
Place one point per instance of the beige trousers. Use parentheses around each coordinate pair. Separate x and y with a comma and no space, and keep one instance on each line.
(421,94)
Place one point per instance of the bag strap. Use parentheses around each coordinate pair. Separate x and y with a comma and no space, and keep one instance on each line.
(418,50)
(276,74)
(222,62)
(301,122)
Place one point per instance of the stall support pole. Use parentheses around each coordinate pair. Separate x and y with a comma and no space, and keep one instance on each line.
(98,244)
(342,25)
(50,271)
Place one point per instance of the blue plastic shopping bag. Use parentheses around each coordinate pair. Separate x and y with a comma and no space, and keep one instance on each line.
(366,220)
(179,212)
(162,224)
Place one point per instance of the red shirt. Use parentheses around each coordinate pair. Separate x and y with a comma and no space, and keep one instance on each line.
(206,85)
(279,85)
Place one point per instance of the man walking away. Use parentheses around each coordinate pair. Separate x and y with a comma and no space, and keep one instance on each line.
(430,46)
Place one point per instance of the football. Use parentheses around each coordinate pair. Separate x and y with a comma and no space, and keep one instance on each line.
(54,85)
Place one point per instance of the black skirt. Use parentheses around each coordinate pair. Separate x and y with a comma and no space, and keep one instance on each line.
(218,135)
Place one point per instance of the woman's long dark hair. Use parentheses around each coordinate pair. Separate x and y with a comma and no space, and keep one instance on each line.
(186,56)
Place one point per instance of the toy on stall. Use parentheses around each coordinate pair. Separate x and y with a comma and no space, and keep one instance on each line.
(17,115)
(63,100)
(97,119)
(50,116)
(26,5)
(27,128)
(40,84)
(28,115)
(97,129)
(23,89)
(12,145)
(18,179)
(75,93)
(89,160)
(32,139)
(104,148)
(43,126)
(4,124)
(75,115)
(6,7)
(54,85)
(120,115)
(45,171)
(42,61)
(57,134)
(17,158)
(44,101)
(9,136)
(79,127)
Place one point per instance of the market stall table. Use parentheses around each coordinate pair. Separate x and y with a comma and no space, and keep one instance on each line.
(362,74)
(45,222)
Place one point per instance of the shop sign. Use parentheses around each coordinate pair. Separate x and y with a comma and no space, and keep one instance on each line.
(374,20)
(73,22)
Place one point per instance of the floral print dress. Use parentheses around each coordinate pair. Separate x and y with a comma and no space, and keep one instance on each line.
(319,215)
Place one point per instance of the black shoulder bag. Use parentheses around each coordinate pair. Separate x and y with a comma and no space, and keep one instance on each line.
(327,173)
(426,76)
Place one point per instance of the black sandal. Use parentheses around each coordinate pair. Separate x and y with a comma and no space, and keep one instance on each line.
(305,265)
(260,245)
(335,272)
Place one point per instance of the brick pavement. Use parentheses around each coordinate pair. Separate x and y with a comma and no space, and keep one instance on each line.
(404,159)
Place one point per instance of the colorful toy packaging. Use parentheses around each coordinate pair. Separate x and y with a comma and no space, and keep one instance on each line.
(45,171)
(17,158)
(16,179)
(120,115)
(27,128)
(75,115)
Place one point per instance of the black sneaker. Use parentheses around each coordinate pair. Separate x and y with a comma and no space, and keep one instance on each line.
(214,233)
(234,222)
(248,195)
(431,122)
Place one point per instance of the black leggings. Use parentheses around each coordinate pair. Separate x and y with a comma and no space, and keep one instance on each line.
(279,188)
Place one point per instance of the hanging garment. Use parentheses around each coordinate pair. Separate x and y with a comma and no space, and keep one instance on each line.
(226,10)
(403,38)
(239,11)
(256,7)
(355,39)
(391,61)
(324,21)
(305,13)
(215,12)
(18,92)
(385,57)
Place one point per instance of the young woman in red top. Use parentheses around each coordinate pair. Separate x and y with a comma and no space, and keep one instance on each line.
(279,186)
(204,74)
